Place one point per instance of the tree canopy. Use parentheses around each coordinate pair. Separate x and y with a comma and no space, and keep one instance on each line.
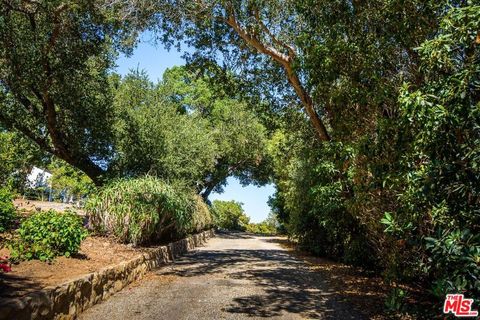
(55,57)
(183,128)
(229,215)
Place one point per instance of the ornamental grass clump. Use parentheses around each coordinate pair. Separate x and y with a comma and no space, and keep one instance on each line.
(145,210)
(202,217)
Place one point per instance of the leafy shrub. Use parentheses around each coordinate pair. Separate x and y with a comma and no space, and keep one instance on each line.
(441,193)
(7,210)
(229,215)
(268,226)
(48,234)
(454,262)
(146,210)
(261,228)
(202,218)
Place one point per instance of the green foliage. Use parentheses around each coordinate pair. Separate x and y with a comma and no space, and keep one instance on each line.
(203,27)
(154,137)
(146,210)
(442,184)
(392,226)
(7,210)
(229,215)
(395,300)
(236,130)
(400,82)
(56,89)
(269,226)
(17,156)
(396,82)
(453,262)
(261,228)
(241,141)
(47,235)
(312,191)
(53,78)
(186,128)
(201,217)
(69,179)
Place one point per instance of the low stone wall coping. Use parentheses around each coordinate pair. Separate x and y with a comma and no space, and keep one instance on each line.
(68,300)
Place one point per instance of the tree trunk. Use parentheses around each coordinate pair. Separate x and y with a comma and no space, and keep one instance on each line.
(206,193)
(287,62)
(307,102)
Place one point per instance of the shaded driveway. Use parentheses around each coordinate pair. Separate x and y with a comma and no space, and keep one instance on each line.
(235,276)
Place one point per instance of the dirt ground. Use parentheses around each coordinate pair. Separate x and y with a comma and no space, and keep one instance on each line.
(95,253)
(34,205)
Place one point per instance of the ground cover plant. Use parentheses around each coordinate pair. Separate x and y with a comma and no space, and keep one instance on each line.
(48,234)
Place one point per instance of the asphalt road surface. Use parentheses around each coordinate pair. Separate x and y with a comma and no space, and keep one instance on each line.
(234,276)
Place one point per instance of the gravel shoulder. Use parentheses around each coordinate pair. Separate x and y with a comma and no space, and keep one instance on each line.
(234,276)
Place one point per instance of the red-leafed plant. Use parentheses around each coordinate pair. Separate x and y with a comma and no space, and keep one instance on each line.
(5,264)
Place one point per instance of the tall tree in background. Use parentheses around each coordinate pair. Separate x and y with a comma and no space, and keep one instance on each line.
(230,215)
(185,128)
(154,136)
(237,132)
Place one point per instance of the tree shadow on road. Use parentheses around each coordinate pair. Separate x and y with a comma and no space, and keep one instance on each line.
(295,290)
(288,284)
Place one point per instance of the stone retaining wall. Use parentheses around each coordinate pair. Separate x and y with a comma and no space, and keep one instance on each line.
(68,300)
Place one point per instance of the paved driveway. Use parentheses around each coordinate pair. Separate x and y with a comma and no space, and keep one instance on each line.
(234,276)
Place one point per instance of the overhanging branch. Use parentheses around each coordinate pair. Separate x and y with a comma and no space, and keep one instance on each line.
(287,62)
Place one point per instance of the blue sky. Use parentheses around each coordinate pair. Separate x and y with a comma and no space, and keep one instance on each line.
(154,60)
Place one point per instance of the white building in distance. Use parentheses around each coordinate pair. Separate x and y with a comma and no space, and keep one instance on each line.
(38,178)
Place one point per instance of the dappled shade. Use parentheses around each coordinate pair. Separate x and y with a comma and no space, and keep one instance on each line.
(287,283)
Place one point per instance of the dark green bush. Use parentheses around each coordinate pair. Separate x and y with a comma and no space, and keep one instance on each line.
(7,210)
(229,215)
(48,234)
(146,210)
(400,188)
(441,198)
(316,204)
(453,262)
(261,228)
